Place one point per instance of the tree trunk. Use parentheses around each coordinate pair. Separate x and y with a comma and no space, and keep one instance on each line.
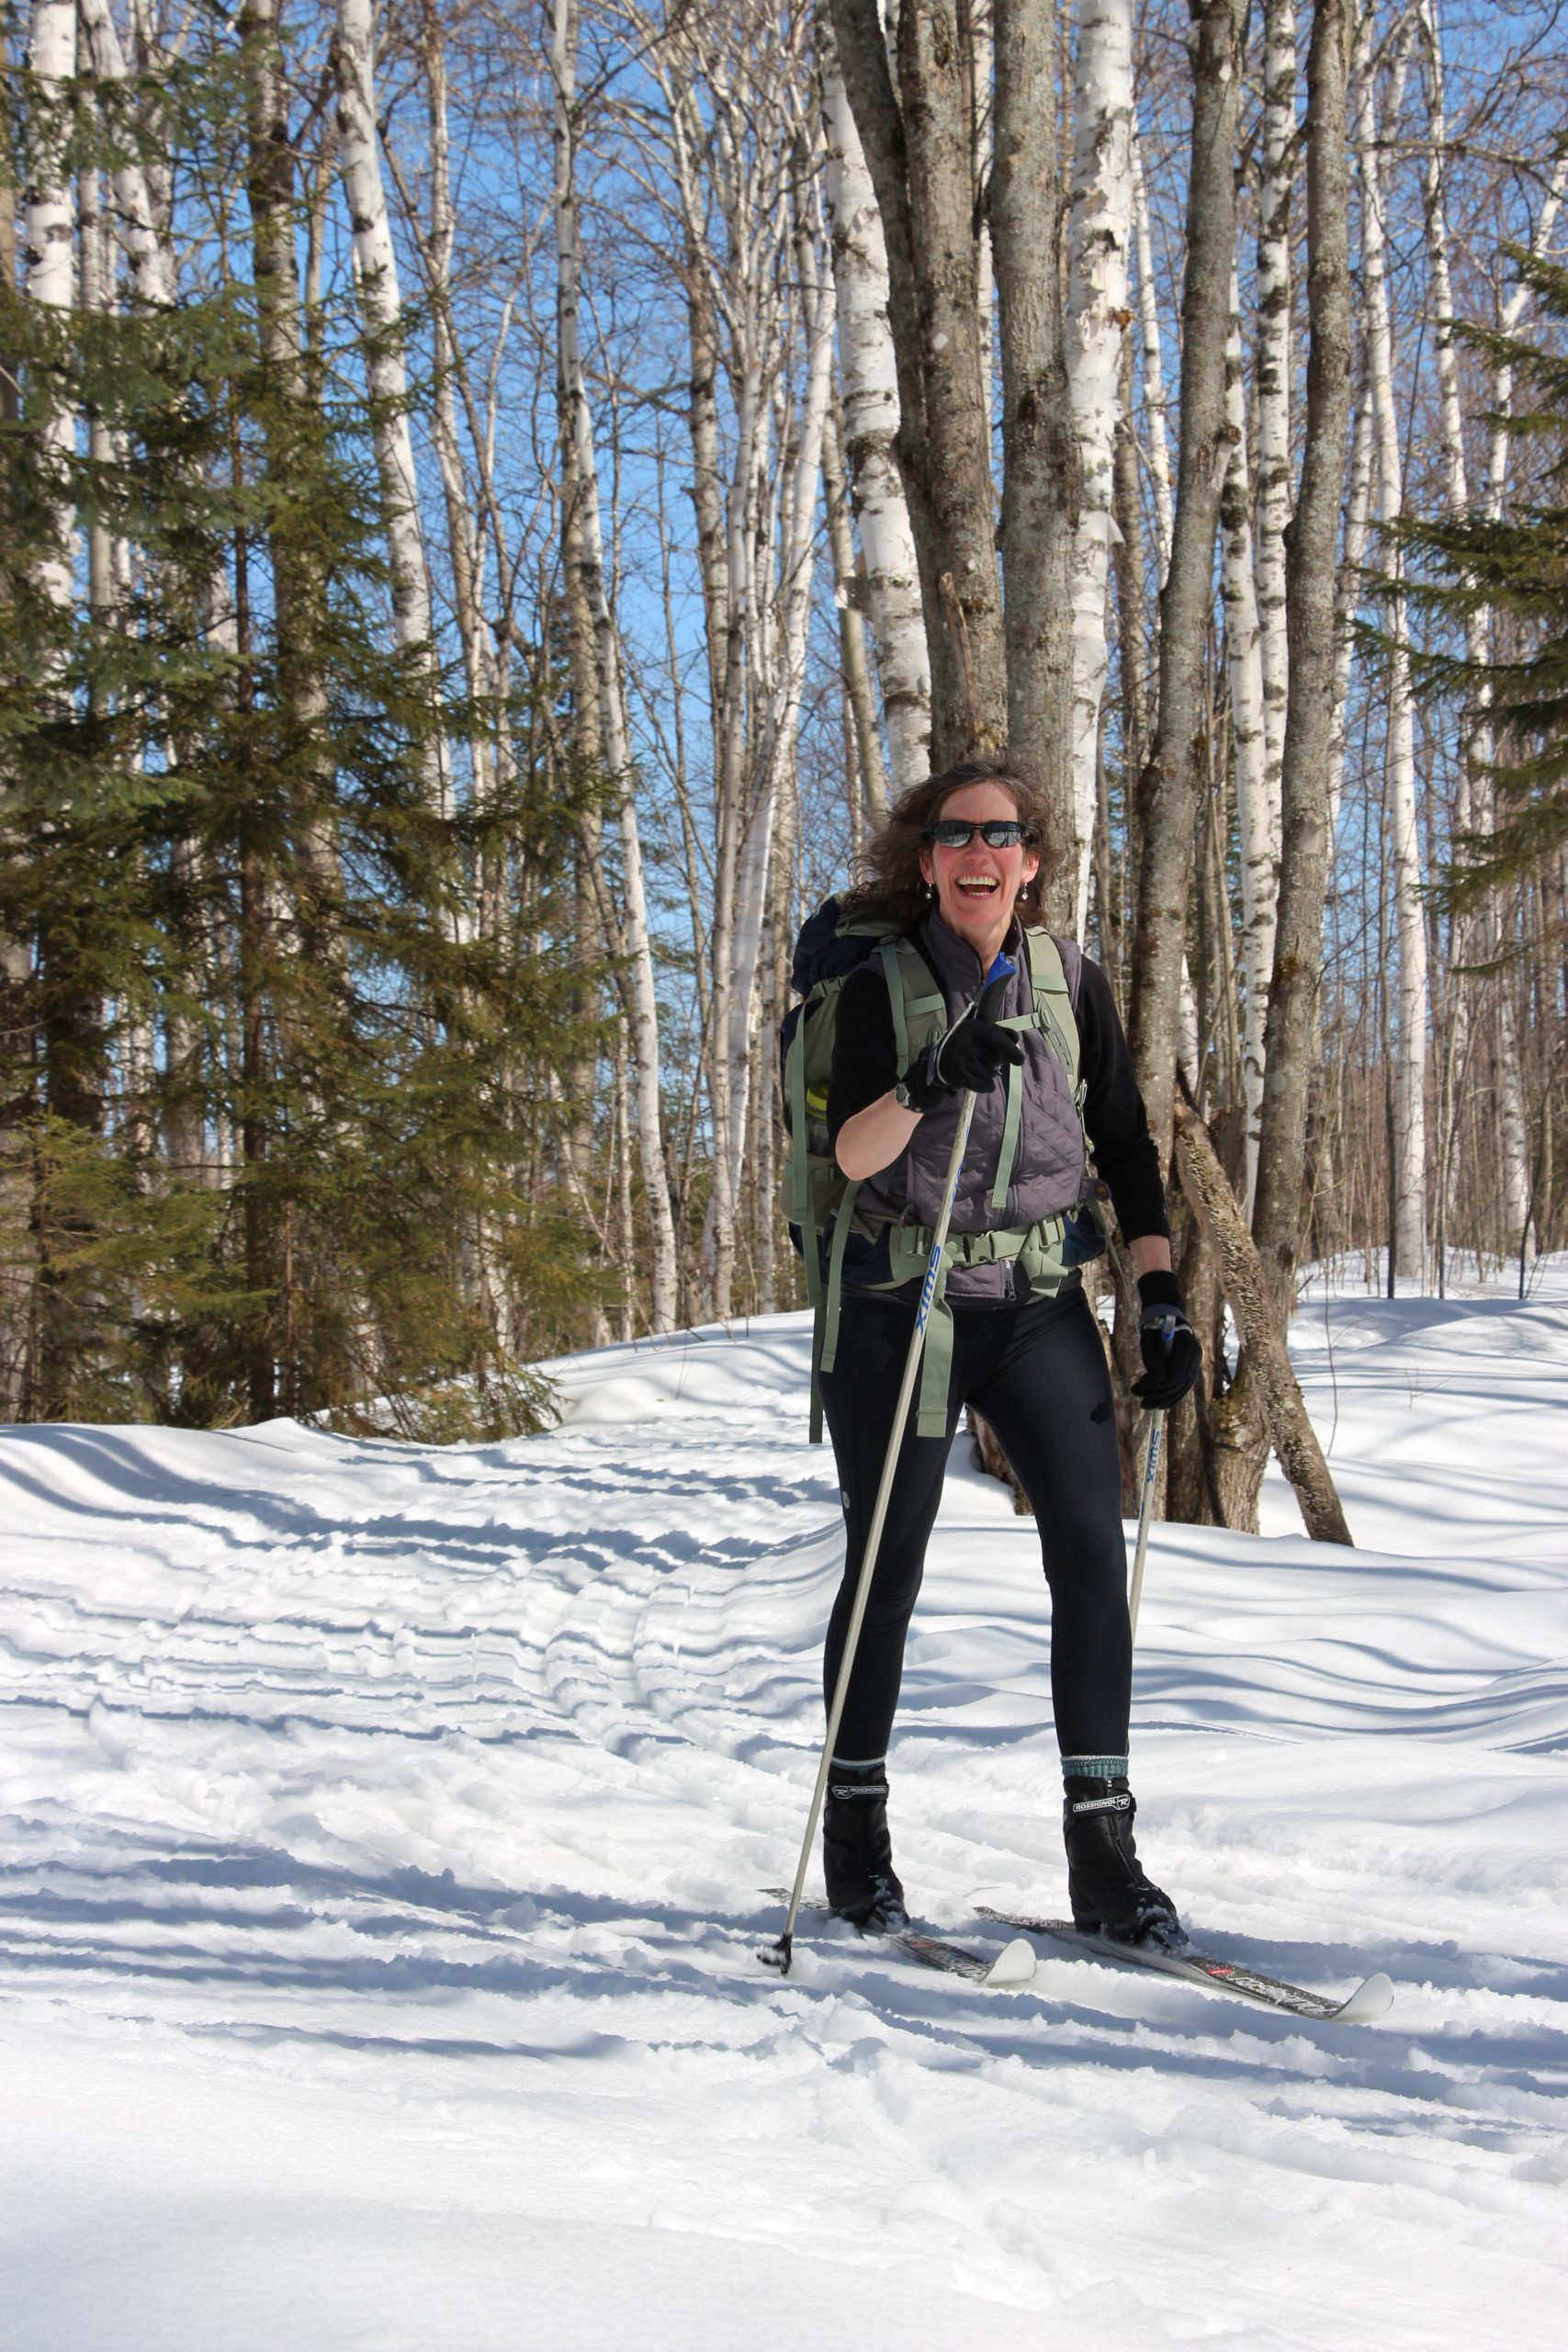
(634,941)
(1409,1172)
(1295,1441)
(50,232)
(380,304)
(1513,1131)
(1172,782)
(919,145)
(1099,234)
(299,621)
(889,593)
(776,751)
(869,799)
(1276,371)
(1290,1040)
(1258,818)
(146,247)
(1040,442)
(1154,364)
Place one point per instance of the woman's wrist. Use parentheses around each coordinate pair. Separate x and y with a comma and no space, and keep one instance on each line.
(1160,1287)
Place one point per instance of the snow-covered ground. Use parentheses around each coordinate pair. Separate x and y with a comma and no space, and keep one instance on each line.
(383,1831)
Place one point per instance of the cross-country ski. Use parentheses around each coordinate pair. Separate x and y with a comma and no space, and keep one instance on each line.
(1007,1968)
(1372,1998)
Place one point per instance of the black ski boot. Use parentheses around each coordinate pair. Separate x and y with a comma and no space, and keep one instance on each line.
(857,1851)
(1113,1894)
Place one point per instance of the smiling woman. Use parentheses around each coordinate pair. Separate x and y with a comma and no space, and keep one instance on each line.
(957,872)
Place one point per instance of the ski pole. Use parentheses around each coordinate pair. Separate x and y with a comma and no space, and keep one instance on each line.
(1157,1423)
(779,1955)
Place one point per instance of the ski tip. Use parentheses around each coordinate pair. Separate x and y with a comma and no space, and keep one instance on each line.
(1372,1998)
(1014,1964)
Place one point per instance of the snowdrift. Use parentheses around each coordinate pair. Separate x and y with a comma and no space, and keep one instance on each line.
(381,1834)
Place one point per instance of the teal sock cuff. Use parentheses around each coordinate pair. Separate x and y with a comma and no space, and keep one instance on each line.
(1094,1768)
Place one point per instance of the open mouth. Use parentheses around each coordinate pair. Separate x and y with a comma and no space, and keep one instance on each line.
(978,885)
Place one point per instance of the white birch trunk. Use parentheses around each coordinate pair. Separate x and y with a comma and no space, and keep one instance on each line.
(1158,453)
(1274,373)
(380,302)
(797,558)
(1513,311)
(1358,515)
(464,529)
(146,249)
(51,224)
(642,998)
(1099,231)
(1513,1125)
(1408,1174)
(1187,1039)
(730,753)
(889,594)
(1258,811)
(982,53)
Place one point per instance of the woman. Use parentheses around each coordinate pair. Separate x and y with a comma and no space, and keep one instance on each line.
(960,866)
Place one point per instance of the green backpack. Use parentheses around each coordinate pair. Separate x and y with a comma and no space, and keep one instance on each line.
(819,1199)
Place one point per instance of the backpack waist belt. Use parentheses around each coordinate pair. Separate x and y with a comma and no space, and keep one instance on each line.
(1037,1247)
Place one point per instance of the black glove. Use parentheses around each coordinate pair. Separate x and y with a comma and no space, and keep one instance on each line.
(1172,1357)
(971,1054)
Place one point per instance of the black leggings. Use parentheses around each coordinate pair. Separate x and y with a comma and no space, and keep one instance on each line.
(1037,1373)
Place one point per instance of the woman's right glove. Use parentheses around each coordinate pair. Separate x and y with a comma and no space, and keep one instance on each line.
(1171,1353)
(970,1055)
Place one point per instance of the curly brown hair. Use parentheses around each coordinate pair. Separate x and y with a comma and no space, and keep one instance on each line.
(890,882)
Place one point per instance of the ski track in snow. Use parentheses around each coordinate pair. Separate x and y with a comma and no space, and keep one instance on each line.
(381,1831)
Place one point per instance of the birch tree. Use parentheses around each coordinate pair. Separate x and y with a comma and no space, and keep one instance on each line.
(776,750)
(380,302)
(1257,819)
(1040,470)
(628,933)
(1099,234)
(1159,454)
(1471,939)
(918,138)
(49,232)
(889,592)
(1409,1174)
(1291,1035)
(1170,787)
(1275,370)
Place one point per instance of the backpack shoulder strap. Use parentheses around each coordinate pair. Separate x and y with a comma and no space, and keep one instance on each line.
(1056,968)
(913,990)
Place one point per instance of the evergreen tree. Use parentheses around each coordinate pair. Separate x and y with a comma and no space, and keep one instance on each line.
(1516,567)
(268,1090)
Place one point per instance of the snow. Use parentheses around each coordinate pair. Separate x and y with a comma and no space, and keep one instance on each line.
(382,1832)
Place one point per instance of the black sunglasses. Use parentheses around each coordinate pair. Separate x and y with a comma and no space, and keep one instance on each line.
(997,832)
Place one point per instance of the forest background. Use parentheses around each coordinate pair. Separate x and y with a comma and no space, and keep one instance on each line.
(496,499)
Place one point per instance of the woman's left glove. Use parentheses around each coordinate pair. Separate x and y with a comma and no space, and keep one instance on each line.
(1172,1357)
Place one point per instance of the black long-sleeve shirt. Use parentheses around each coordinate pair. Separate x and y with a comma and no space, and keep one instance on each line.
(865,1067)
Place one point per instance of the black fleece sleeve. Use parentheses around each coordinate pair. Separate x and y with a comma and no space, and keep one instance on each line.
(865,1061)
(1113,1111)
